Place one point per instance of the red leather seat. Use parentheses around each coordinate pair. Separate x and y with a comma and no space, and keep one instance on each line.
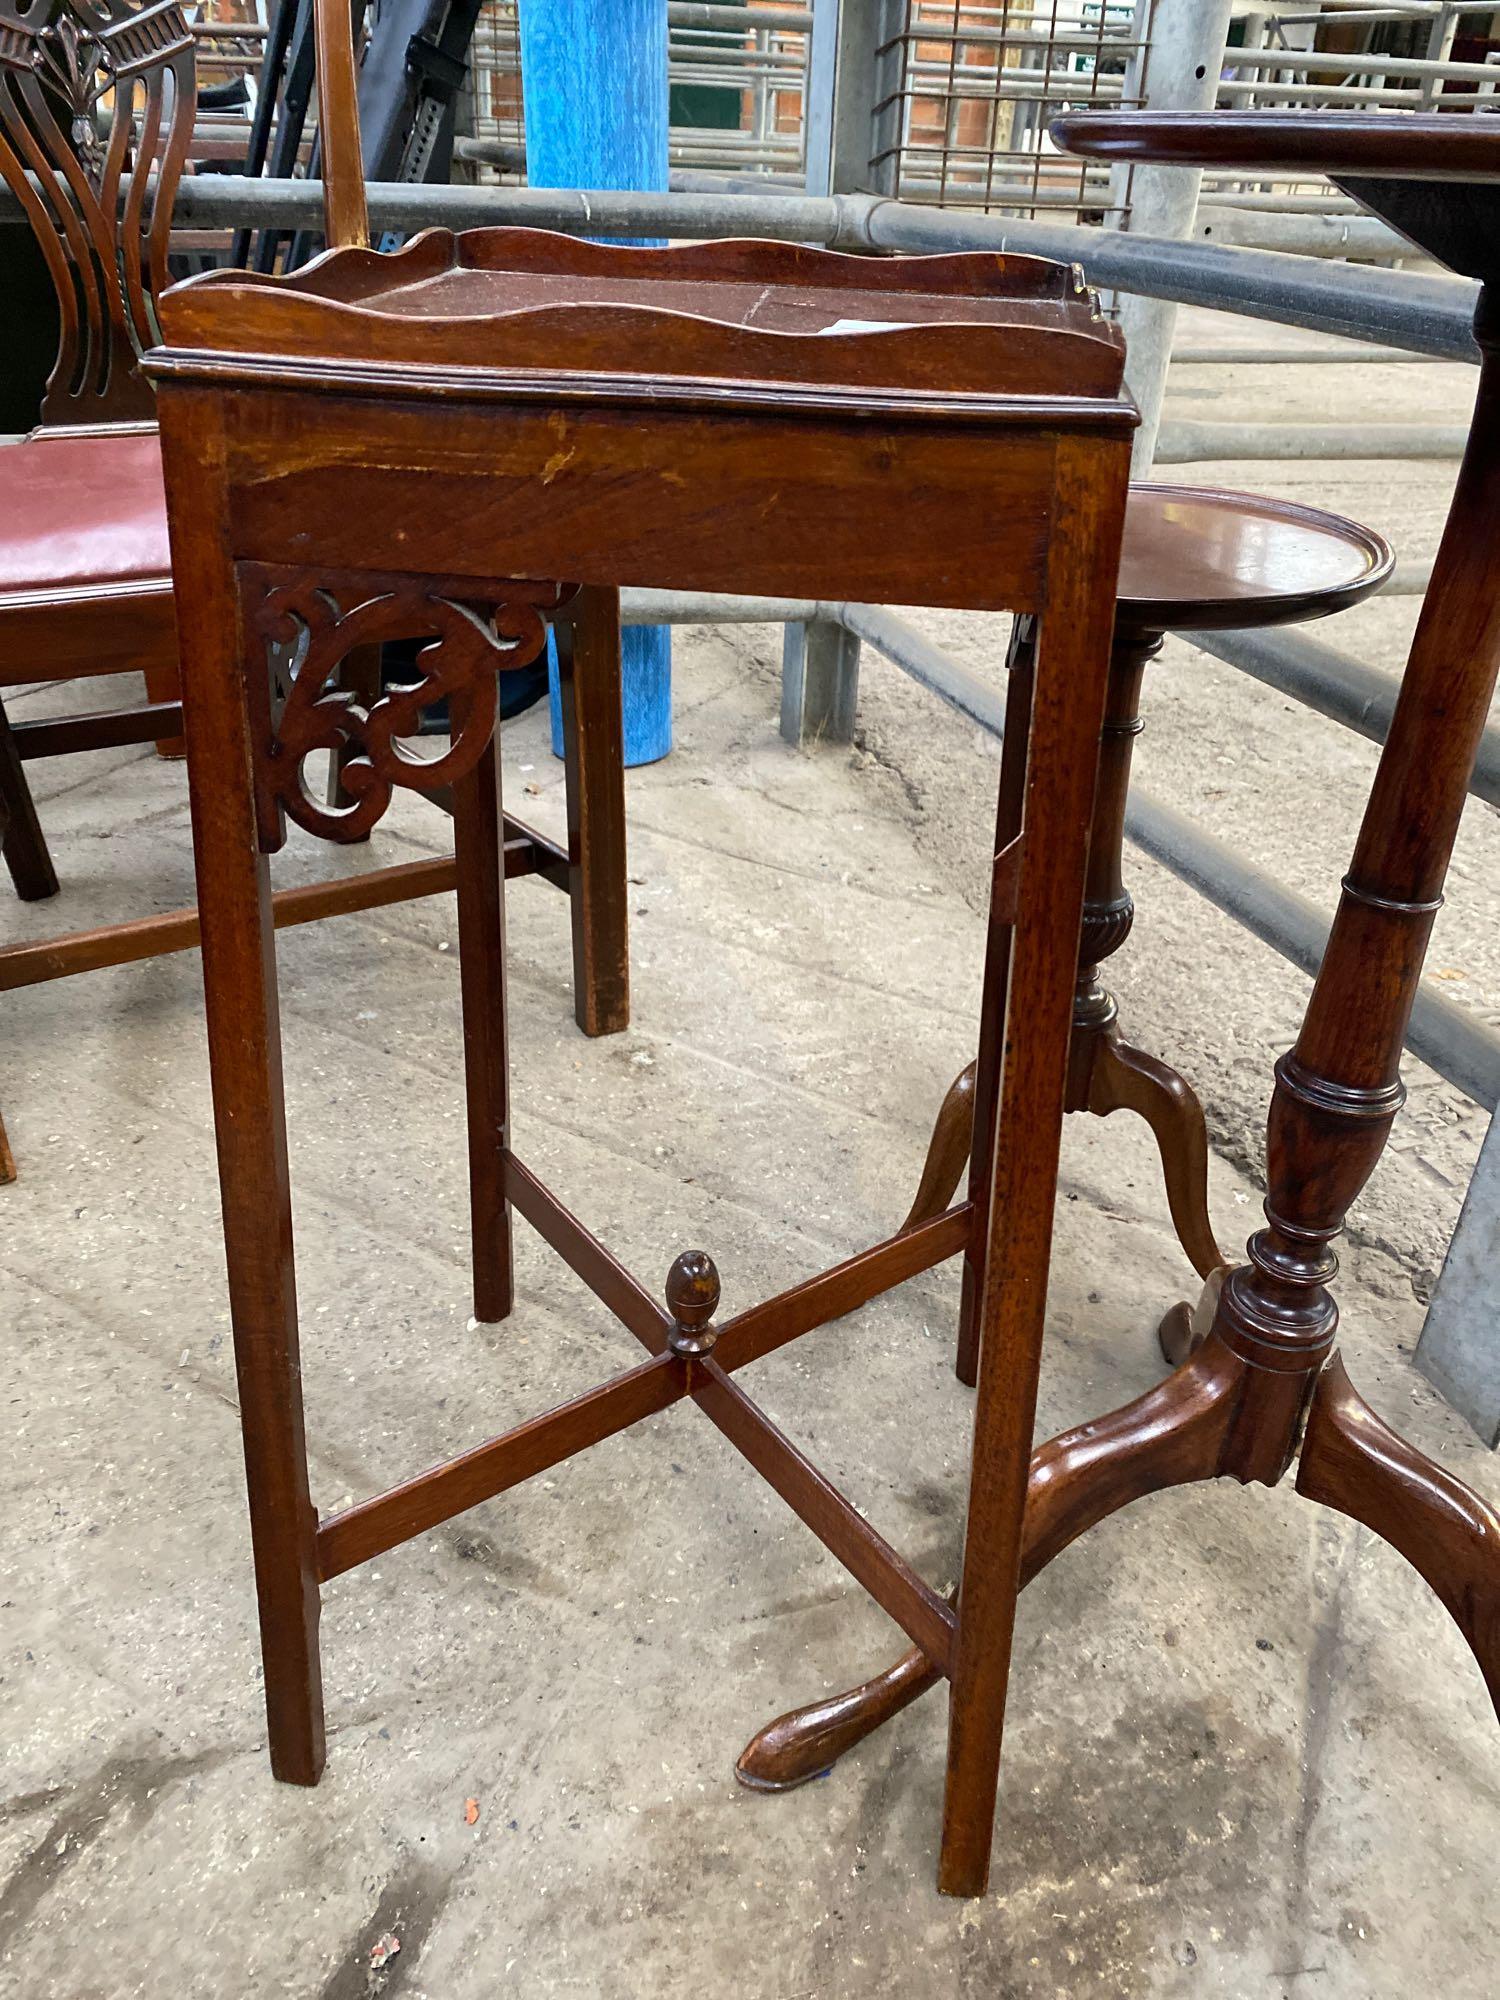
(82,509)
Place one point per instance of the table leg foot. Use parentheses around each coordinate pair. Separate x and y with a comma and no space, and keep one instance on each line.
(1354,1462)
(1184,1328)
(807,1742)
(1171,1436)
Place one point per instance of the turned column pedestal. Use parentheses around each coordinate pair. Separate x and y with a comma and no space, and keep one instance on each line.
(1262,1385)
(1194,559)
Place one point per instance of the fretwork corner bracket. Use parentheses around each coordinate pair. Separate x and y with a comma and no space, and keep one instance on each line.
(301,626)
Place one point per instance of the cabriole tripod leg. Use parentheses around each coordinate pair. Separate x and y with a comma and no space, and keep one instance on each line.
(1171,1436)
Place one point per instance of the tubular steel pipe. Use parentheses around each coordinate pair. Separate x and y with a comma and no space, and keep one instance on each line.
(1423,315)
(1427,315)
(698,607)
(1300,235)
(1409,579)
(207,201)
(685,14)
(1189,441)
(1365,356)
(1347,691)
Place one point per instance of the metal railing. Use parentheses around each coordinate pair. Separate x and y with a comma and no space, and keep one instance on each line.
(753,58)
(965,100)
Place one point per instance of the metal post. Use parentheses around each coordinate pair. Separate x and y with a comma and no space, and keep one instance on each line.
(845,91)
(1440,40)
(1180,72)
(1458,1352)
(819,684)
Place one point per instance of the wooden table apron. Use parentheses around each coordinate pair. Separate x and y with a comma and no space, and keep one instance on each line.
(770,492)
(729,500)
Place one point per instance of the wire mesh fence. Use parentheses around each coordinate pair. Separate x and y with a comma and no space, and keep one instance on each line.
(965,88)
(974,89)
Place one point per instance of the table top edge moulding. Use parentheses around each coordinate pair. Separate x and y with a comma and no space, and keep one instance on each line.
(981,334)
(1396,145)
(1159,587)
(1433,176)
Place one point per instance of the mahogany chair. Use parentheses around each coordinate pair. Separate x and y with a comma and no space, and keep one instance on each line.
(1194,560)
(692,437)
(1259,1386)
(85,570)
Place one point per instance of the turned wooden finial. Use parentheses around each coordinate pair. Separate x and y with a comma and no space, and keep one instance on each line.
(692,1300)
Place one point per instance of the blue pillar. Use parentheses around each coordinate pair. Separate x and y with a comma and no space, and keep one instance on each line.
(594,82)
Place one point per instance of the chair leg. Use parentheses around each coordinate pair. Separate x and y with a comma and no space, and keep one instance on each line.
(588,655)
(7,1157)
(21,838)
(163,683)
(479,847)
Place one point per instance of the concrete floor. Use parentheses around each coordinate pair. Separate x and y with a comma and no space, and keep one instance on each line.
(1247,1753)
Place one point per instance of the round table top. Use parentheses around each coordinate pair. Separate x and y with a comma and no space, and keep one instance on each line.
(1396,145)
(1197,559)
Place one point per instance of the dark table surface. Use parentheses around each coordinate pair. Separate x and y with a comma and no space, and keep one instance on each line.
(1434,176)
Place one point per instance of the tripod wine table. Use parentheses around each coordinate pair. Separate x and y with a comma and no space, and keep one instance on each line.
(1264,1387)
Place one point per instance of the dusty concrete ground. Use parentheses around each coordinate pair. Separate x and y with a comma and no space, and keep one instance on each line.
(1247,1753)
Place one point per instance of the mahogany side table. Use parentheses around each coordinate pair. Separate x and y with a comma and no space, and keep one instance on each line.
(1263,1386)
(345,450)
